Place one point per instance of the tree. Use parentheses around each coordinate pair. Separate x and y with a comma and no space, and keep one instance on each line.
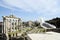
(55,21)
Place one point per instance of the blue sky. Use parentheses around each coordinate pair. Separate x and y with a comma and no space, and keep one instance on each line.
(30,9)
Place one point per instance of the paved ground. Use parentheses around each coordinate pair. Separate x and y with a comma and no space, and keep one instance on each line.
(46,36)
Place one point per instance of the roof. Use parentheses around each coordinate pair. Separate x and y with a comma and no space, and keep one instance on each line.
(11,16)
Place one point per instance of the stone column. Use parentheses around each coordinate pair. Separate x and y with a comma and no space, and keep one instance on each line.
(6,30)
(11,27)
(7,36)
(4,26)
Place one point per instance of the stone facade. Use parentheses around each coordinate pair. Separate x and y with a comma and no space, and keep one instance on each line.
(30,23)
(11,25)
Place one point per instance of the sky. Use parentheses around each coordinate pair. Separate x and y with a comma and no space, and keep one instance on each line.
(30,9)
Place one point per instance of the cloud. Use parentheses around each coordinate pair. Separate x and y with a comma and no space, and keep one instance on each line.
(44,7)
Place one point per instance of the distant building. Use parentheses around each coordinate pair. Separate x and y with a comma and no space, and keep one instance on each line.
(1,24)
(30,23)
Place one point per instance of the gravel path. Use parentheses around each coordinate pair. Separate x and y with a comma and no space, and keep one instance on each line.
(46,36)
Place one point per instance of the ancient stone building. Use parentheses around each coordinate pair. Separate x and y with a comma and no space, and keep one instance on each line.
(11,25)
(30,23)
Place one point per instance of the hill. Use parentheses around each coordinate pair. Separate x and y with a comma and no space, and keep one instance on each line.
(55,21)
